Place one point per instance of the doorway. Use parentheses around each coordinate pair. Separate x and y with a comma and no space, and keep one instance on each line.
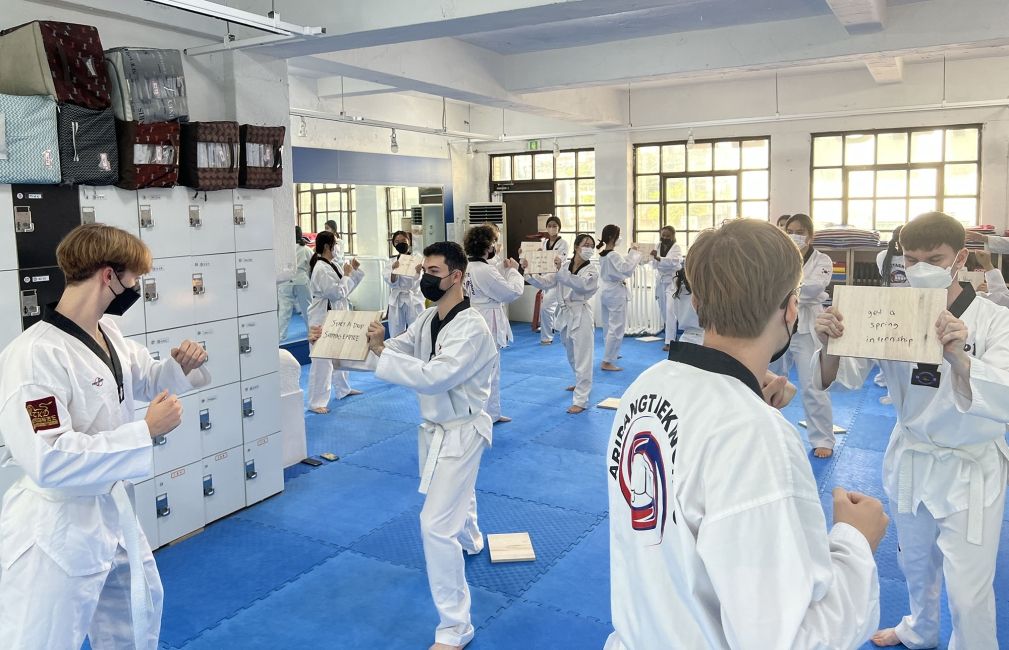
(523,208)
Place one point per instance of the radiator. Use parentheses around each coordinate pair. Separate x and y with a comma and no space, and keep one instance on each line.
(643,315)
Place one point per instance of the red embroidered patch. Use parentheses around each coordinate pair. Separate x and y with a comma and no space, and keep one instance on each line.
(43,414)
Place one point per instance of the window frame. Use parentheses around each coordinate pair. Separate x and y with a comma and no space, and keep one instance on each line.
(345,216)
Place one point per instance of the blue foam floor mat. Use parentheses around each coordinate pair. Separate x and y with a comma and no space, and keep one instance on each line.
(335,561)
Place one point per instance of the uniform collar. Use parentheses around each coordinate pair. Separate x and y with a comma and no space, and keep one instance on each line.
(716,361)
(67,326)
(809,254)
(964,300)
(478,259)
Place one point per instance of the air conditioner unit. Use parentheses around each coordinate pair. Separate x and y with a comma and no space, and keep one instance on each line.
(478,214)
(427,224)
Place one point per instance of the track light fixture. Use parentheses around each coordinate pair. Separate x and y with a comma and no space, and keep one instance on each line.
(393,144)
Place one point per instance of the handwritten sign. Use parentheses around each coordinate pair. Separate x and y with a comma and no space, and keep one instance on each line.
(408,264)
(345,335)
(527,247)
(976,278)
(542,262)
(890,324)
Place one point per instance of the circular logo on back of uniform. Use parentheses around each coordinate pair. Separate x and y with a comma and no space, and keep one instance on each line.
(642,476)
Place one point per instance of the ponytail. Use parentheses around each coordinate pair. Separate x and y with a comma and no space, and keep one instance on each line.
(892,248)
(681,283)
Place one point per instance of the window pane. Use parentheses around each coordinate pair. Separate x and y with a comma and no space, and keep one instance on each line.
(860,214)
(924,182)
(892,148)
(724,211)
(755,185)
(587,218)
(861,184)
(699,157)
(921,206)
(827,151)
(926,146)
(412,197)
(305,203)
(648,189)
(726,187)
(395,198)
(544,166)
(676,189)
(523,168)
(826,213)
(965,210)
(827,184)
(647,217)
(700,216)
(674,158)
(318,186)
(586,164)
(755,210)
(961,144)
(564,193)
(566,165)
(567,217)
(859,149)
(501,168)
(726,155)
(890,213)
(701,188)
(676,216)
(756,154)
(960,180)
(647,160)
(586,191)
(321,203)
(891,183)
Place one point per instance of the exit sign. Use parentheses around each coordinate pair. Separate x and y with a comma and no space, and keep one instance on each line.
(532,145)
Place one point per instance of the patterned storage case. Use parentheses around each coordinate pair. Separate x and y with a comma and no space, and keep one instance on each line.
(148,154)
(64,60)
(89,153)
(148,85)
(29,149)
(262,157)
(210,155)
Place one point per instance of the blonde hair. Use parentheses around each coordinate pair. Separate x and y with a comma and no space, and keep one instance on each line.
(740,274)
(93,246)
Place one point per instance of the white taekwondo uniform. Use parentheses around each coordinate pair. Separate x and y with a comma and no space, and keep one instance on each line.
(295,291)
(701,561)
(75,559)
(448,363)
(945,472)
(665,275)
(549,304)
(685,316)
(614,271)
(997,292)
(330,290)
(405,300)
(574,322)
(489,289)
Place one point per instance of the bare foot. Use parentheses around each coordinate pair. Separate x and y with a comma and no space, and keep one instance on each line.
(503,420)
(443,646)
(353,392)
(546,342)
(885,638)
(823,452)
(610,367)
(320,411)
(575,410)
(665,348)
(570,389)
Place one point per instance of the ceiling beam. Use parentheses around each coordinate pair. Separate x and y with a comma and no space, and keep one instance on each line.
(886,69)
(859,16)
(337,87)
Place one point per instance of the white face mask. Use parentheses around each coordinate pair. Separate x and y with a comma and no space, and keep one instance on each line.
(928,276)
(800,240)
(587,252)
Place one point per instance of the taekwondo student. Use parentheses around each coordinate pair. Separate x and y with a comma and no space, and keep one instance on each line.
(338,248)
(891,262)
(295,291)
(946,465)
(575,282)
(330,288)
(447,356)
(717,535)
(614,270)
(489,289)
(75,560)
(549,303)
(666,261)
(405,301)
(684,313)
(817,271)
(994,286)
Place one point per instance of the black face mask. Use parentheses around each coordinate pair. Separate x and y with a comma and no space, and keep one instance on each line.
(430,287)
(791,331)
(123,300)
(492,253)
(402,247)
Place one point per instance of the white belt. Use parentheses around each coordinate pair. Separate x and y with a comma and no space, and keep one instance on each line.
(141,605)
(434,451)
(975,504)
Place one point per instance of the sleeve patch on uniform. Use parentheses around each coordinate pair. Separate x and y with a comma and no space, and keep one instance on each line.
(43,414)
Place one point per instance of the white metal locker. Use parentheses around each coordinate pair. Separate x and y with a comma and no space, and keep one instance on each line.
(214,290)
(111,205)
(8,243)
(182,445)
(167,292)
(144,503)
(10,315)
(178,501)
(220,418)
(264,471)
(160,344)
(223,483)
(253,217)
(211,221)
(164,220)
(219,338)
(256,281)
(258,341)
(260,406)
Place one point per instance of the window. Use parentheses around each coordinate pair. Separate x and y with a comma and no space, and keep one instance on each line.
(696,185)
(317,203)
(877,180)
(399,202)
(573,173)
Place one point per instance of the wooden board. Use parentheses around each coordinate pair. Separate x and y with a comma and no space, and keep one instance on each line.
(511,547)
(345,335)
(408,264)
(976,278)
(837,430)
(646,248)
(649,339)
(527,247)
(890,324)
(611,403)
(542,262)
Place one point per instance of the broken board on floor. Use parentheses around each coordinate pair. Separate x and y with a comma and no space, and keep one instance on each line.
(511,547)
(649,339)
(612,403)
(837,430)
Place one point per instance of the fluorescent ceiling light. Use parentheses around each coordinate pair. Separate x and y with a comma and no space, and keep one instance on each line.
(270,23)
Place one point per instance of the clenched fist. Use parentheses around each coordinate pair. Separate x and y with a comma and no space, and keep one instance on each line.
(164,414)
(189,355)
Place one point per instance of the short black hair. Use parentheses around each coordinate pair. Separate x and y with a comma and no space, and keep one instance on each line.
(784,217)
(803,220)
(611,233)
(455,258)
(930,231)
(409,236)
(479,240)
(554,219)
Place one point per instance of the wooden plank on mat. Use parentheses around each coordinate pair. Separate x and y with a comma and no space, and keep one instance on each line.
(511,547)
(611,403)
(345,335)
(887,323)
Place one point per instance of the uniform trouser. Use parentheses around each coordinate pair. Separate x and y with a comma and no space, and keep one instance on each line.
(323,378)
(401,316)
(290,294)
(580,345)
(667,320)
(494,399)
(447,526)
(548,314)
(43,608)
(816,403)
(931,549)
(614,308)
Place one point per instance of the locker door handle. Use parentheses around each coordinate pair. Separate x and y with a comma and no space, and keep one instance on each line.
(205,423)
(239,215)
(162,506)
(247,410)
(150,290)
(23,219)
(195,219)
(208,485)
(250,470)
(160,440)
(146,218)
(244,345)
